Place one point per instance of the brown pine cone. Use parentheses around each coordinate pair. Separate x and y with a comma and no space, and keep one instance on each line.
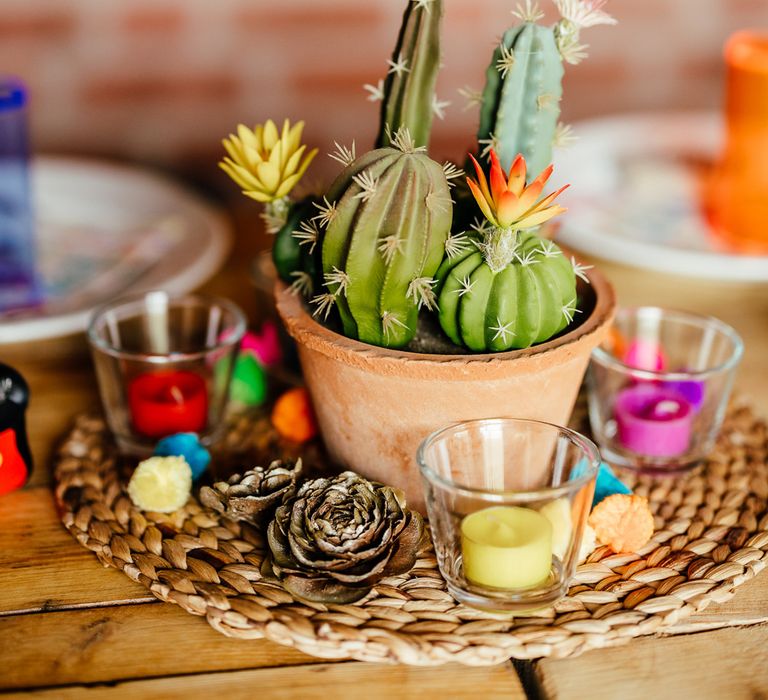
(335,538)
(254,495)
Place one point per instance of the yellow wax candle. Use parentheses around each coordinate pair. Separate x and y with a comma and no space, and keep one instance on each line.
(506,547)
(558,512)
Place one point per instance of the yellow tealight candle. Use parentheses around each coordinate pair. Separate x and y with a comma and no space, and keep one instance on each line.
(506,547)
(558,513)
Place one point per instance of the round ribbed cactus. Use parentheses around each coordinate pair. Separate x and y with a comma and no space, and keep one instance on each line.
(387,218)
(509,288)
(525,301)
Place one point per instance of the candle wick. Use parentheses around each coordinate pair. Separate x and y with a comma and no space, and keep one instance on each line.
(501,524)
(176,394)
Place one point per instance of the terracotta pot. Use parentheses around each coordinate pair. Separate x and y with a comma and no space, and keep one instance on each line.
(376,405)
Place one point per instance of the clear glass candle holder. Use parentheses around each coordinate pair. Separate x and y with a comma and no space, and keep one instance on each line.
(508,502)
(659,388)
(164,365)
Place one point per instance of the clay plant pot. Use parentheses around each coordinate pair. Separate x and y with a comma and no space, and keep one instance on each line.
(375,405)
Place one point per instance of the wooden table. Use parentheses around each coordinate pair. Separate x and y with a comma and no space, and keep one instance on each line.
(69,628)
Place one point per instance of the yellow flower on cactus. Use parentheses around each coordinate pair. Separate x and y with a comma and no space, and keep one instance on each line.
(508,203)
(265,163)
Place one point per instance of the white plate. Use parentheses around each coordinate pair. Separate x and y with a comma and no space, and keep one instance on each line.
(105,230)
(634,200)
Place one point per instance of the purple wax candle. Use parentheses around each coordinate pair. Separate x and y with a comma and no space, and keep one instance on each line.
(692,390)
(654,421)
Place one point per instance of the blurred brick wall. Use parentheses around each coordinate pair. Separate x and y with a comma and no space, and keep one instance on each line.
(161,81)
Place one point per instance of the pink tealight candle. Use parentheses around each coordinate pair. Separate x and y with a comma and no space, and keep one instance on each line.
(645,354)
(653,421)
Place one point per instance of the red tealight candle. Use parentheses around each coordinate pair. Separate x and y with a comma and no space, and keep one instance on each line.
(168,402)
(653,421)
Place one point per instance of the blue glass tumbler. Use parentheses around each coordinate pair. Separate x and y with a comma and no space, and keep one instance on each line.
(18,278)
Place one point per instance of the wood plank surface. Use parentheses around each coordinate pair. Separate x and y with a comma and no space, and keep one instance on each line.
(727,664)
(42,567)
(356,681)
(102,645)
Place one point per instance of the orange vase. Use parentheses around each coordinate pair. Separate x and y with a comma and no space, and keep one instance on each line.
(737,192)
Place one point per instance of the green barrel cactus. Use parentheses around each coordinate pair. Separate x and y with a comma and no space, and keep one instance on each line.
(511,289)
(526,301)
(386,221)
(408,93)
(521,100)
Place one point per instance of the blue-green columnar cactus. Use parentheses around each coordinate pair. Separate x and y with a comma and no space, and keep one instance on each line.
(386,221)
(408,93)
(510,289)
(521,100)
(520,104)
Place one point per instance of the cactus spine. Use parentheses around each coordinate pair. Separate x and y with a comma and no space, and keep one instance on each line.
(511,290)
(388,217)
(409,90)
(521,100)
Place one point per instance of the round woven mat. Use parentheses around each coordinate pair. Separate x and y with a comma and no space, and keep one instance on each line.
(711,536)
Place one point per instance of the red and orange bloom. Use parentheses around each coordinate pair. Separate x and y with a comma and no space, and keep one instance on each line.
(508,202)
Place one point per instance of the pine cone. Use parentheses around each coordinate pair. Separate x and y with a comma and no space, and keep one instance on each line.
(335,538)
(255,494)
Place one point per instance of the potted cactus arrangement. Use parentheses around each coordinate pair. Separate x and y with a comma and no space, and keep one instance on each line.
(419,296)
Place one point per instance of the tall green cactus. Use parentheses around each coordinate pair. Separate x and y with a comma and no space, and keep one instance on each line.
(521,100)
(387,219)
(409,90)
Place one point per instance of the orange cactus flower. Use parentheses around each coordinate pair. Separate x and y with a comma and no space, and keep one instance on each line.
(508,202)
(293,416)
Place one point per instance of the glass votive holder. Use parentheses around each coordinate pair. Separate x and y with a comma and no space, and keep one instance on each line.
(164,365)
(507,500)
(659,388)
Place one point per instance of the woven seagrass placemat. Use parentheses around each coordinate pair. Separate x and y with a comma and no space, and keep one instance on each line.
(711,536)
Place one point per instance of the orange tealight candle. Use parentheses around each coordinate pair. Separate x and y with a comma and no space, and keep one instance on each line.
(737,192)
